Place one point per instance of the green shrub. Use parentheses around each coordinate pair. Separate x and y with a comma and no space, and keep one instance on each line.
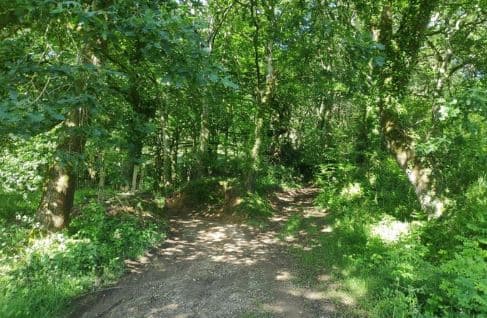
(15,205)
(42,273)
(462,288)
(254,206)
(277,176)
(203,191)
(438,270)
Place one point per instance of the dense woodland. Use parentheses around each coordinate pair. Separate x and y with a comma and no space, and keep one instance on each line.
(381,104)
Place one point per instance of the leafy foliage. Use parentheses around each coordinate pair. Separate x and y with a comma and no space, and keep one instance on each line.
(40,274)
(381,104)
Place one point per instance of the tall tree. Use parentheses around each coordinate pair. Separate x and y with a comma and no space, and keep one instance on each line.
(402,42)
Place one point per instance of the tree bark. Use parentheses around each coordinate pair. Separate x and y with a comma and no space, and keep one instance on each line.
(163,154)
(140,185)
(135,159)
(401,50)
(172,170)
(135,173)
(61,180)
(60,185)
(263,96)
(101,181)
(203,138)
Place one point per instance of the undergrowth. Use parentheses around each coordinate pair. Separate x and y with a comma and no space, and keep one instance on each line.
(434,269)
(230,194)
(41,273)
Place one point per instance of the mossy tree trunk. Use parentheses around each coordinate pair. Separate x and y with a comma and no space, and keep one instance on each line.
(264,91)
(61,179)
(401,49)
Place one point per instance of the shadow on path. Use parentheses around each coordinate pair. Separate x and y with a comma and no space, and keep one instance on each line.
(208,268)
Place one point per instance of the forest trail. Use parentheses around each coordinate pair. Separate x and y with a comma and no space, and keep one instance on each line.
(210,268)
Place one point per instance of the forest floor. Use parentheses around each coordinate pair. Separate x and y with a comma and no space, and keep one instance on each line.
(214,268)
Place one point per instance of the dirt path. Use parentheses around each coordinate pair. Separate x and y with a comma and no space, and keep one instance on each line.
(208,268)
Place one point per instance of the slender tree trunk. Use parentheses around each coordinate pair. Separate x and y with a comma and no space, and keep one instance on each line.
(363,140)
(173,168)
(204,138)
(255,153)
(324,117)
(225,145)
(166,155)
(135,159)
(262,97)
(135,173)
(159,161)
(163,154)
(101,180)
(140,186)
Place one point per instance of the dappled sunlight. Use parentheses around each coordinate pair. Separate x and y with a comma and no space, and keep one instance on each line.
(286,308)
(285,198)
(352,191)
(228,243)
(356,286)
(315,213)
(390,230)
(278,308)
(326,229)
(306,293)
(296,201)
(284,275)
(138,265)
(62,183)
(324,278)
(167,308)
(343,297)
(208,267)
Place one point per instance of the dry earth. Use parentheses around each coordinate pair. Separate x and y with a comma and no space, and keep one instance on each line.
(212,268)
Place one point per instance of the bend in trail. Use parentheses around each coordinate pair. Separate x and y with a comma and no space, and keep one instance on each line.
(208,268)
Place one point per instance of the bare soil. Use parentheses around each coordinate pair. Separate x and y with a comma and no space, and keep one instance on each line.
(214,268)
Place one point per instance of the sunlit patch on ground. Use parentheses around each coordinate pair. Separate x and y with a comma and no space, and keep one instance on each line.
(232,243)
(210,268)
(352,191)
(390,230)
(284,275)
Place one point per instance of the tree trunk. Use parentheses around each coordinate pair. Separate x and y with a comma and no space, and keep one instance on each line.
(419,175)
(225,145)
(140,186)
(401,50)
(167,173)
(135,173)
(262,96)
(172,171)
(101,181)
(135,159)
(163,155)
(255,152)
(58,193)
(204,137)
